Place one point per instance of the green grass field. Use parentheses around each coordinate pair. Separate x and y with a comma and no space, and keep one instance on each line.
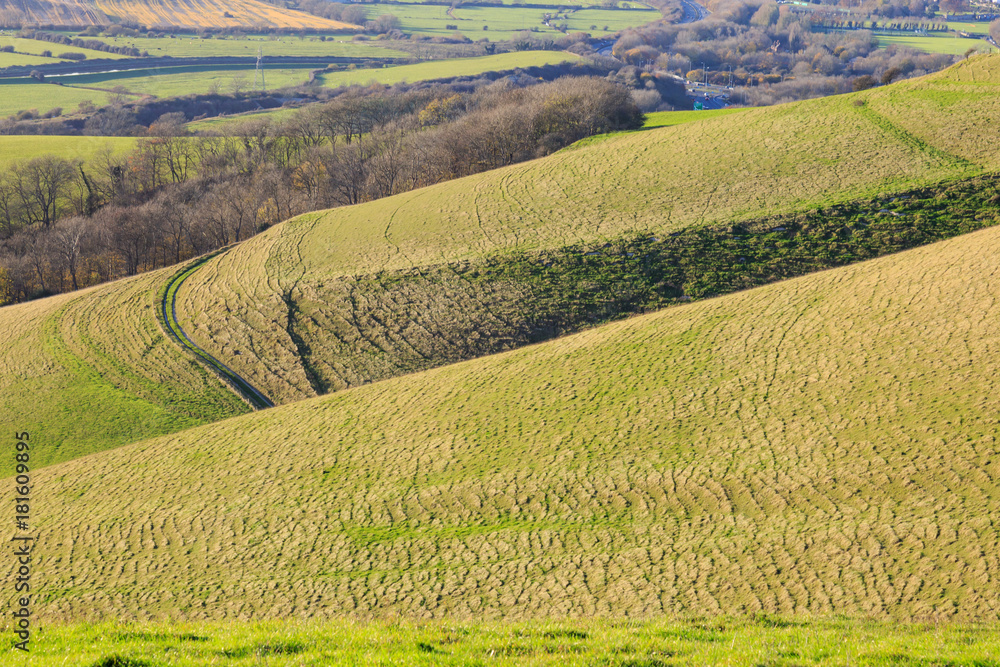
(671,118)
(737,167)
(971,27)
(737,642)
(189,46)
(937,43)
(823,445)
(503,22)
(37,46)
(19,96)
(439,69)
(221,123)
(170,82)
(82,149)
(759,162)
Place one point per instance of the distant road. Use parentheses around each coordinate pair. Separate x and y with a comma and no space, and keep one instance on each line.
(692,12)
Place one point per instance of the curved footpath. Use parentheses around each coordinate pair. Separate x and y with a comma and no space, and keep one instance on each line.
(168,316)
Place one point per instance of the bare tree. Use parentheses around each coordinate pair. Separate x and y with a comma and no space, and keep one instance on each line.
(42,184)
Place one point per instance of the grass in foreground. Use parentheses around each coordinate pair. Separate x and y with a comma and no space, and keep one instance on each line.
(735,642)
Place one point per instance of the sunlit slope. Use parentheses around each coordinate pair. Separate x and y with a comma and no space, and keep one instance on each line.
(173,13)
(215,14)
(91,370)
(759,162)
(824,444)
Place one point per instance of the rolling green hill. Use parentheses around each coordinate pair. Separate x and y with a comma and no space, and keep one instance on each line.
(823,445)
(321,302)
(498,260)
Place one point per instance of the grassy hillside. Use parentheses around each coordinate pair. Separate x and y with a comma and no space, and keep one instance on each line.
(487,263)
(316,286)
(821,445)
(93,369)
(175,13)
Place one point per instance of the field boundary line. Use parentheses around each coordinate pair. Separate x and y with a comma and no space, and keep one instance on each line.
(167,315)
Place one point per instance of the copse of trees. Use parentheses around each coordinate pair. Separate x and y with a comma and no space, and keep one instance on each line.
(66,225)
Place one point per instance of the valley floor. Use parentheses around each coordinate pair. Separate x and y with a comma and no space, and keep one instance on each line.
(719,641)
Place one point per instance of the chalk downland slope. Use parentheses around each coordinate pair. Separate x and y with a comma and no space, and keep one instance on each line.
(93,369)
(314,305)
(343,298)
(173,13)
(821,445)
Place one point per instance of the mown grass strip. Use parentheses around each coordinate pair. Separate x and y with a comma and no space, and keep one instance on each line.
(168,318)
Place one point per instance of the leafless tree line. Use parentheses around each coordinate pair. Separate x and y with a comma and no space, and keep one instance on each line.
(66,225)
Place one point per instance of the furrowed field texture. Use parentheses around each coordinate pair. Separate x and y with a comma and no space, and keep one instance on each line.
(818,446)
(313,289)
(325,302)
(736,642)
(173,13)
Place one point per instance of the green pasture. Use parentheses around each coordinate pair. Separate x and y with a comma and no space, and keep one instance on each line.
(503,22)
(950,44)
(170,82)
(192,46)
(436,69)
(15,148)
(15,59)
(737,642)
(971,27)
(19,96)
(439,69)
(221,122)
(37,46)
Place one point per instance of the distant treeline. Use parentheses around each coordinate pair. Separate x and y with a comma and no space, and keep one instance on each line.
(80,43)
(65,225)
(130,117)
